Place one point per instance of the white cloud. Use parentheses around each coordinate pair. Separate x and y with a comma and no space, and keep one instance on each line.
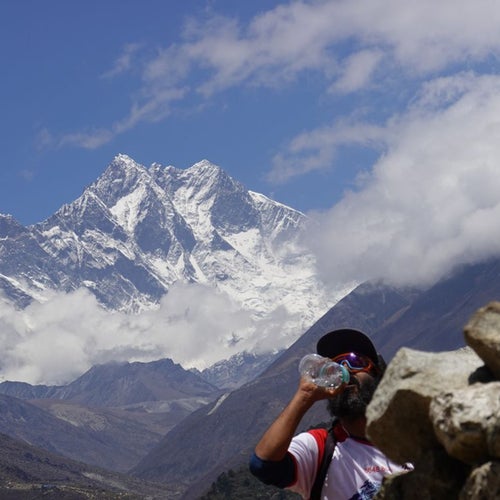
(88,139)
(428,36)
(278,45)
(43,139)
(348,43)
(358,71)
(124,62)
(316,150)
(432,201)
(154,108)
(56,341)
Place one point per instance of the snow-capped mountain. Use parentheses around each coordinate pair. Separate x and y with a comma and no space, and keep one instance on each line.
(136,231)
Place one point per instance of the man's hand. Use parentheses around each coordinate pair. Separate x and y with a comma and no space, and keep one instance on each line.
(312,392)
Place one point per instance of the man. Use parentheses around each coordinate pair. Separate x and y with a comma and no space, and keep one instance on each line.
(357,468)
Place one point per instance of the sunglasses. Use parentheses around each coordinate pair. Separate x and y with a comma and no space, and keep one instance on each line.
(355,362)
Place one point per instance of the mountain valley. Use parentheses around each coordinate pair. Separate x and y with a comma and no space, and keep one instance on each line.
(146,421)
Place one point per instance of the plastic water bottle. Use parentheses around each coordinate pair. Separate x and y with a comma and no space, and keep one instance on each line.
(323,371)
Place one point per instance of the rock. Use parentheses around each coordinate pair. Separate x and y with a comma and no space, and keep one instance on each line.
(441,411)
(398,415)
(483,483)
(482,333)
(467,422)
(437,476)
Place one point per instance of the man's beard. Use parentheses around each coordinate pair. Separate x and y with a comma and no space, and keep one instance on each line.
(352,403)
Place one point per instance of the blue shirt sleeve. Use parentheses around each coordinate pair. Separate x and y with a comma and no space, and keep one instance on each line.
(280,474)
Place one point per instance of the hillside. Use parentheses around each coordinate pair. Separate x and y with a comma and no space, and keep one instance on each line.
(27,472)
(427,319)
(111,416)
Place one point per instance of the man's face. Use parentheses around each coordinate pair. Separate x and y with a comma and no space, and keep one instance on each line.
(353,400)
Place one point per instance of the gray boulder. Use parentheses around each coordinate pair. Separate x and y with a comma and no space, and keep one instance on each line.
(398,416)
(441,412)
(482,333)
(467,422)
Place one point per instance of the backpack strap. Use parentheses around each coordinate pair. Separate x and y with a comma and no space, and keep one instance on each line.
(330,443)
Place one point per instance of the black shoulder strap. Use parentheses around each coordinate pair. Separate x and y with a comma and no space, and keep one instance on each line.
(325,463)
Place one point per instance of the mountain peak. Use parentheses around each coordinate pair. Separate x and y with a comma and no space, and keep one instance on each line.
(124,159)
(121,177)
(7,218)
(9,225)
(205,167)
(124,165)
(137,231)
(204,163)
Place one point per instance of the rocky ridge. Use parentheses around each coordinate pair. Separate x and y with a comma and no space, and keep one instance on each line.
(441,412)
(139,237)
(135,231)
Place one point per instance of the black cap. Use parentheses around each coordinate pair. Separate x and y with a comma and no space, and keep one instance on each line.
(346,340)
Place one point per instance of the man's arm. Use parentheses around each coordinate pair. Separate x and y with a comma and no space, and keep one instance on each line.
(271,462)
(274,443)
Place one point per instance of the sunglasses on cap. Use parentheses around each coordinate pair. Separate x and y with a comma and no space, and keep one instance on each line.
(355,362)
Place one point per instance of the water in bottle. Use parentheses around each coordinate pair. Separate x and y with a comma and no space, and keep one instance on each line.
(323,371)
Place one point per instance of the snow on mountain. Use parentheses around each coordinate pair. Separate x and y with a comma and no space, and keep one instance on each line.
(137,231)
(160,225)
(234,372)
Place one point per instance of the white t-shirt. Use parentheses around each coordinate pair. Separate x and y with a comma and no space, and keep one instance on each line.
(355,472)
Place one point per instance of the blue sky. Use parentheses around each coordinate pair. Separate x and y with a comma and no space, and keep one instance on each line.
(79,88)
(379,118)
(380,115)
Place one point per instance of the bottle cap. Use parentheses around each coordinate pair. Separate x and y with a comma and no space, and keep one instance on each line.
(346,376)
